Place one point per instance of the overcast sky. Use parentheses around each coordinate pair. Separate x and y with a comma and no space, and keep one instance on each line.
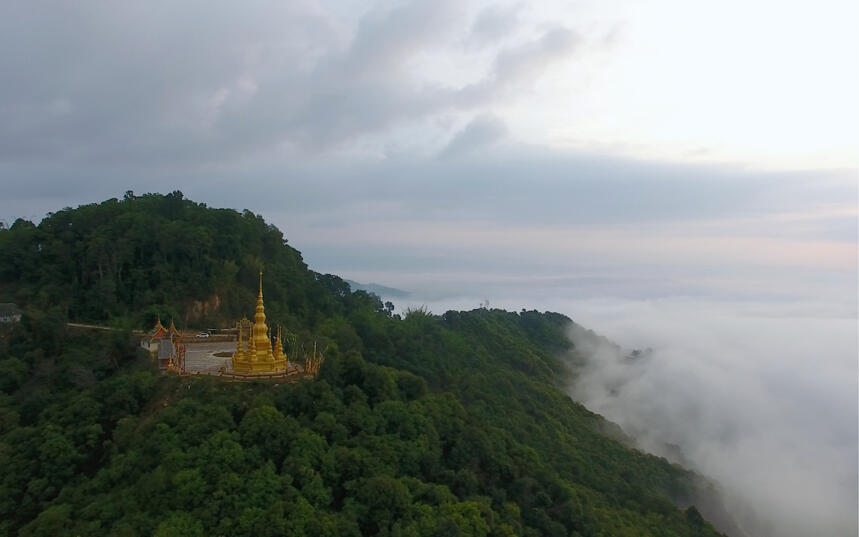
(554,148)
(656,170)
(606,147)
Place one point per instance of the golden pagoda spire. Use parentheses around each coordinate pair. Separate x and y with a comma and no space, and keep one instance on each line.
(172,329)
(259,356)
(278,345)
(240,351)
(262,344)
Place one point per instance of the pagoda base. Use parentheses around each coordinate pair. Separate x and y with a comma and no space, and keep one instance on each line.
(275,367)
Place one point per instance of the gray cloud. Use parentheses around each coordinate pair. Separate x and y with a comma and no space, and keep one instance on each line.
(517,184)
(525,62)
(480,131)
(166,85)
(493,23)
(386,39)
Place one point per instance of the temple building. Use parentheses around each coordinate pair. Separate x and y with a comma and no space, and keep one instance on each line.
(165,346)
(258,357)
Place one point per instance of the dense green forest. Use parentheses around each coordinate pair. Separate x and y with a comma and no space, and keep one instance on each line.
(417,424)
(130,260)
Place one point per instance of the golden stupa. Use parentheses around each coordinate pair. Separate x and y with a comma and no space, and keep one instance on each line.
(258,356)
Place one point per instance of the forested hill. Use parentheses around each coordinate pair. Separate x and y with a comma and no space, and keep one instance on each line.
(416,425)
(133,259)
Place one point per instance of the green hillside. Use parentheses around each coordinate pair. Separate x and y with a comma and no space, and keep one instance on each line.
(132,259)
(416,425)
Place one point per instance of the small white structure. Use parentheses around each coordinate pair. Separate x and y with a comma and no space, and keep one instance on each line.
(9,313)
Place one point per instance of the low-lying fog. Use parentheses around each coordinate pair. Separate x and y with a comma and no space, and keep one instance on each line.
(760,397)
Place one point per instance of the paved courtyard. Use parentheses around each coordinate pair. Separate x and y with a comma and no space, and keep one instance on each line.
(200,357)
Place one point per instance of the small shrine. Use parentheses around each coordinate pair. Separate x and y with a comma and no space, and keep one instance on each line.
(9,313)
(255,355)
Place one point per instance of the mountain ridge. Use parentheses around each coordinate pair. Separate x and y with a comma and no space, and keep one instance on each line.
(382,291)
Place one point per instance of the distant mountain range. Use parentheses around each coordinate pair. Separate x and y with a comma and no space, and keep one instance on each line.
(381,290)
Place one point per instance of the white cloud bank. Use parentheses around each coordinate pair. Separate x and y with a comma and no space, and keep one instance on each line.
(759,397)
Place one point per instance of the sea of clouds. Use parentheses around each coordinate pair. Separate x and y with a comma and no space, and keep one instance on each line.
(759,397)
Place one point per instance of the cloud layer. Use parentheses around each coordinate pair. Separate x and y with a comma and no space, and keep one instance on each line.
(195,83)
(764,405)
